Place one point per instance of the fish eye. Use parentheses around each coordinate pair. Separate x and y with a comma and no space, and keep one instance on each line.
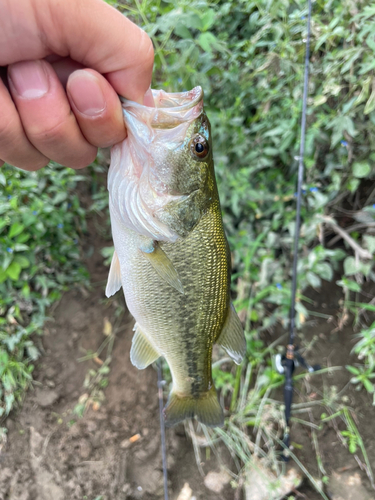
(199,146)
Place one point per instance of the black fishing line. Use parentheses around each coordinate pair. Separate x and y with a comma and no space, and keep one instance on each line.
(162,427)
(290,354)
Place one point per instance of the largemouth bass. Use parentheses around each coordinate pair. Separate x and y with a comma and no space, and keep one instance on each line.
(171,255)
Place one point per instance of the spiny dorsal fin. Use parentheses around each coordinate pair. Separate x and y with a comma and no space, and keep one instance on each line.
(142,353)
(114,277)
(232,337)
(163,266)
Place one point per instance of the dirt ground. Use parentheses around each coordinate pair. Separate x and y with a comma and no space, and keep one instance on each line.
(53,455)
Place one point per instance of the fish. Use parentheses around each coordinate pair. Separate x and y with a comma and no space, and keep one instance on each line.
(171,256)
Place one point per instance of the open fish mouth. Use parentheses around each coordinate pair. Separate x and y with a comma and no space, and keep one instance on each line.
(171,108)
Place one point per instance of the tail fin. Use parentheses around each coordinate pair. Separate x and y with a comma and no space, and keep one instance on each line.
(206,408)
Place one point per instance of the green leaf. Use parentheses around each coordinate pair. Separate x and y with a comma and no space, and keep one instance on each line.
(351,266)
(22,261)
(33,352)
(208,19)
(368,385)
(313,279)
(15,229)
(353,185)
(324,270)
(4,359)
(59,197)
(370,242)
(352,446)
(3,180)
(9,400)
(351,285)
(13,271)
(7,259)
(3,275)
(353,370)
(370,104)
(319,100)
(361,169)
(20,247)
(207,41)
(183,32)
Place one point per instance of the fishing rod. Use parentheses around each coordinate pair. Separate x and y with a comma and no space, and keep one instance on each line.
(292,358)
(162,427)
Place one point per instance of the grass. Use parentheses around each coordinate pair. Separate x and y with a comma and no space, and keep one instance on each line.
(41,222)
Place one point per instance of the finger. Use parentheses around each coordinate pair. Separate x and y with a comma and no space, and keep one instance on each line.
(97,36)
(46,115)
(97,108)
(15,148)
(148,99)
(64,67)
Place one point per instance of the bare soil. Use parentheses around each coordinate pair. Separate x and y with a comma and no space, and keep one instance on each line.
(53,455)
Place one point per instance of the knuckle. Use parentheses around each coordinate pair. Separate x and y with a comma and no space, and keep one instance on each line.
(48,131)
(8,130)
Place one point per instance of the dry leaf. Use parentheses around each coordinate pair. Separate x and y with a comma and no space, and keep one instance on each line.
(95,406)
(107,329)
(134,438)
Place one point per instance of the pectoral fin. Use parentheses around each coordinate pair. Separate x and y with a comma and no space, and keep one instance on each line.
(232,337)
(164,267)
(142,353)
(114,277)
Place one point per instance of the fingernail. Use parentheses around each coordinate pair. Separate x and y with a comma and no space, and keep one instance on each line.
(148,99)
(85,91)
(29,79)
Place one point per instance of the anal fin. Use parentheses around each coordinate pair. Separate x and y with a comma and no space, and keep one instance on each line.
(163,266)
(142,354)
(114,277)
(206,408)
(232,337)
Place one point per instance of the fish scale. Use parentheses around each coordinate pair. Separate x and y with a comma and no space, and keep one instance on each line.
(171,254)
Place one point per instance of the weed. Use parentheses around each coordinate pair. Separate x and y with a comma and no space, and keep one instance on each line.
(96,379)
(41,221)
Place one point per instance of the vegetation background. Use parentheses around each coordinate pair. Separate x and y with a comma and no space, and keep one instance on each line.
(248,57)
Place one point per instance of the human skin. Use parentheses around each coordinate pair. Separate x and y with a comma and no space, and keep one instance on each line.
(63,64)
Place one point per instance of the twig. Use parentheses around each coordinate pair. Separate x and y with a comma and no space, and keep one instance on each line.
(361,311)
(369,225)
(360,252)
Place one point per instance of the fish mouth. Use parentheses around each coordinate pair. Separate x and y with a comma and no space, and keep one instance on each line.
(170,110)
(179,101)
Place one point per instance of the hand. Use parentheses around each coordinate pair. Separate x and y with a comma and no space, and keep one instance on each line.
(62,65)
